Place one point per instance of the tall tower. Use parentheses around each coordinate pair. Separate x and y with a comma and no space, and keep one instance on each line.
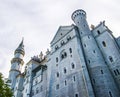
(16,64)
(102,80)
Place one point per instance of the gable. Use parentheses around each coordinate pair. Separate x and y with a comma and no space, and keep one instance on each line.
(62,31)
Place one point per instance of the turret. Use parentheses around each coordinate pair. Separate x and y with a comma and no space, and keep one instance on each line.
(102,80)
(16,64)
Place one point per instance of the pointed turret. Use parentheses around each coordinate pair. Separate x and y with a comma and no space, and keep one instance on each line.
(20,48)
(16,64)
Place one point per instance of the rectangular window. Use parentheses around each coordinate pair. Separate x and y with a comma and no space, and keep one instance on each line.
(57,86)
(76,95)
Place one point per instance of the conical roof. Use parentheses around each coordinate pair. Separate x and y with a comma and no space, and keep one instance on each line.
(20,48)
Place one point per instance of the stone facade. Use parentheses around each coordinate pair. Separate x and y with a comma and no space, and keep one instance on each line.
(81,63)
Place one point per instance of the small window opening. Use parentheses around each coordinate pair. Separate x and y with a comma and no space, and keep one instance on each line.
(74,78)
(57,59)
(111,59)
(65,71)
(65,82)
(110,94)
(93,51)
(117,71)
(70,49)
(76,95)
(98,31)
(101,71)
(73,66)
(57,74)
(89,61)
(104,44)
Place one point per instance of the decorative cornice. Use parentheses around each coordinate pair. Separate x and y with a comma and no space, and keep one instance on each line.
(14,70)
(17,60)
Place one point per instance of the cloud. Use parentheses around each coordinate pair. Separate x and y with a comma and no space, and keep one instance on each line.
(38,20)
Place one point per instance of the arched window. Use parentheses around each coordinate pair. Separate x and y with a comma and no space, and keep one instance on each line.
(73,66)
(104,44)
(57,74)
(111,59)
(65,71)
(70,49)
(56,59)
(98,32)
(63,54)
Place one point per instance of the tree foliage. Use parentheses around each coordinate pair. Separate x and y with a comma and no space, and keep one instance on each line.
(5,91)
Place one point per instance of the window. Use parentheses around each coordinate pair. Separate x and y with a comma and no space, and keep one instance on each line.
(73,66)
(117,71)
(57,86)
(57,59)
(98,31)
(89,61)
(70,49)
(111,59)
(76,95)
(65,71)
(93,51)
(57,74)
(74,78)
(63,55)
(101,71)
(65,82)
(110,94)
(104,44)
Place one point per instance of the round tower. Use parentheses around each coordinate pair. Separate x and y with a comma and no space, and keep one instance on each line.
(102,80)
(16,64)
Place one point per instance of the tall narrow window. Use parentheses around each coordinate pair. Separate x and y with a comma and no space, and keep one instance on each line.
(98,31)
(70,50)
(110,94)
(57,59)
(65,82)
(74,78)
(57,74)
(104,44)
(73,66)
(65,70)
(76,95)
(101,71)
(111,59)
(117,71)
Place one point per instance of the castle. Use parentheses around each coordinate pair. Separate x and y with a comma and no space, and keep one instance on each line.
(82,62)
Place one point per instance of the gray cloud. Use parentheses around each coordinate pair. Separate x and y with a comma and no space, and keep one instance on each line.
(38,20)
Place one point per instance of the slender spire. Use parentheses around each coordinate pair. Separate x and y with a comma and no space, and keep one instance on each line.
(20,48)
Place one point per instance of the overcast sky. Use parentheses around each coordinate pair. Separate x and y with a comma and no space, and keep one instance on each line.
(38,21)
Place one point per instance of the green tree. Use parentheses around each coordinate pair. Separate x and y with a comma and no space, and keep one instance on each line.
(5,91)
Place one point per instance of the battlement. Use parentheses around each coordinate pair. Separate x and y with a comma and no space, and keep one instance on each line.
(78,12)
